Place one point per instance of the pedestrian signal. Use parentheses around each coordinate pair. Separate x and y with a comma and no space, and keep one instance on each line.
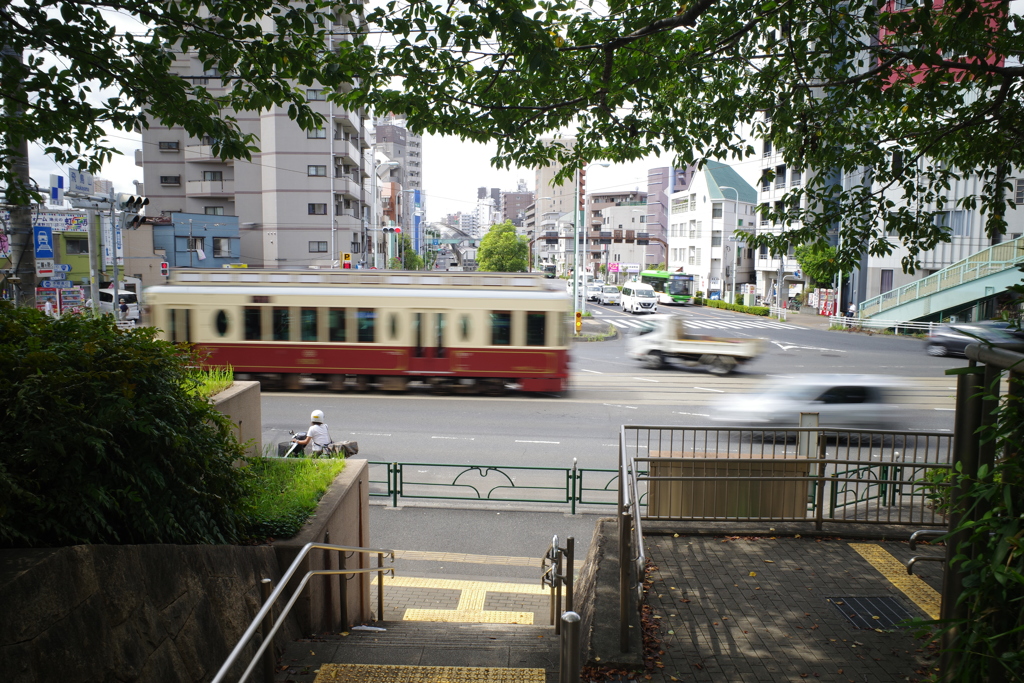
(164,269)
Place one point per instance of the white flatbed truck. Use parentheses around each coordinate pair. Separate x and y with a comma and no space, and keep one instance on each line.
(668,336)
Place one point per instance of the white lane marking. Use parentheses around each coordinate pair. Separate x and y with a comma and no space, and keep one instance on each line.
(616,405)
(949,409)
(455,438)
(369,434)
(781,376)
(787,347)
(717,391)
(593,371)
(644,379)
(524,441)
(697,414)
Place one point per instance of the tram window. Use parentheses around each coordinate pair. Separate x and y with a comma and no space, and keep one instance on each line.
(465,327)
(336,326)
(417,334)
(501,328)
(367,324)
(440,335)
(253,329)
(308,324)
(282,324)
(394,326)
(181,324)
(221,323)
(535,327)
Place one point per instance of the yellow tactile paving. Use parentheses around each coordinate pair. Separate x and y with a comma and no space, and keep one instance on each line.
(469,616)
(452,584)
(923,595)
(426,556)
(375,673)
(471,601)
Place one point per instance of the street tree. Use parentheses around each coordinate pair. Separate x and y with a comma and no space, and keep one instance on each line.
(503,251)
(408,259)
(818,262)
(883,110)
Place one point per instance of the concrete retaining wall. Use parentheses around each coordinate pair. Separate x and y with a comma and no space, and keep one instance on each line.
(331,604)
(128,613)
(241,403)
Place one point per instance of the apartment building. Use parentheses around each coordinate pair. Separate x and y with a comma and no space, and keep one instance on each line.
(513,205)
(300,201)
(614,220)
(396,142)
(661,182)
(709,207)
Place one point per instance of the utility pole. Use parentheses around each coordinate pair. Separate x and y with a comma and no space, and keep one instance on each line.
(23,263)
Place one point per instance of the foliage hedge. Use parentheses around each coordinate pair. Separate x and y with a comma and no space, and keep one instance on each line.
(105,441)
(714,303)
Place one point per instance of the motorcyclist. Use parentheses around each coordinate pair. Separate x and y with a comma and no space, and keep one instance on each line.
(317,434)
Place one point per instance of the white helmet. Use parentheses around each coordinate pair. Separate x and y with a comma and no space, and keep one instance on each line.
(317,416)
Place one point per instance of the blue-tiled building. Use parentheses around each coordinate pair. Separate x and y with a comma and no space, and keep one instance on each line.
(196,240)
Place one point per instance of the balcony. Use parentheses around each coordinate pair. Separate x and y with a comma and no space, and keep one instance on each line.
(204,154)
(347,187)
(210,188)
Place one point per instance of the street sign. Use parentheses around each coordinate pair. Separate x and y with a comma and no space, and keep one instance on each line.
(43,237)
(44,267)
(81,182)
(56,284)
(62,267)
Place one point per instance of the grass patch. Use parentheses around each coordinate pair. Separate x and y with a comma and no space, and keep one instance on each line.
(213,381)
(282,494)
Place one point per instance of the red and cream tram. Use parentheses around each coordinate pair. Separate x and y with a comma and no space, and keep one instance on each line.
(484,330)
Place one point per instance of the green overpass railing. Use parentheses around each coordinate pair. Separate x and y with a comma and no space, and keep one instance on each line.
(995,259)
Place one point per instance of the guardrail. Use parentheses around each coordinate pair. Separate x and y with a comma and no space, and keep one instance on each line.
(994,259)
(265,616)
(897,326)
(572,486)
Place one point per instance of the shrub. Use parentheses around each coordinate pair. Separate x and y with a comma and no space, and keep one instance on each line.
(282,494)
(752,310)
(105,439)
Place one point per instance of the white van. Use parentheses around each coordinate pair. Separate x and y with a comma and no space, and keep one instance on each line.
(639,298)
(107,303)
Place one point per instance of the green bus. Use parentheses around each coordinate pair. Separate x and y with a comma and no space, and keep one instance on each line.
(672,288)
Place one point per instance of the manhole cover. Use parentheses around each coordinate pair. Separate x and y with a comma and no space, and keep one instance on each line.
(871,613)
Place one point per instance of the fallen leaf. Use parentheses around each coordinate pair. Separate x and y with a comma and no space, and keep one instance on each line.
(675,535)
(671,633)
(876,617)
(796,536)
(753,574)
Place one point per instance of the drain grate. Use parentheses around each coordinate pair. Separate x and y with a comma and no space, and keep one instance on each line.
(871,613)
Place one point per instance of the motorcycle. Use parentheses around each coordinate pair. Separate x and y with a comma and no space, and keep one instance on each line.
(331,450)
(287,449)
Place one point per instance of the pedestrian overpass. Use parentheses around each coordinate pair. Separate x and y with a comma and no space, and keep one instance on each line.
(977,277)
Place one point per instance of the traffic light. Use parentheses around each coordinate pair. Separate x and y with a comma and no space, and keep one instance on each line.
(579,320)
(164,269)
(131,205)
(394,230)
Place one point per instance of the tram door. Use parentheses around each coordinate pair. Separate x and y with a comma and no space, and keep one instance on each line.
(430,352)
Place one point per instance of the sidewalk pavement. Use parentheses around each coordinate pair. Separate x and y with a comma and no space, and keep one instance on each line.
(728,608)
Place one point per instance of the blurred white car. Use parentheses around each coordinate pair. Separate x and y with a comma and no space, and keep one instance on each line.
(841,401)
(594,291)
(609,295)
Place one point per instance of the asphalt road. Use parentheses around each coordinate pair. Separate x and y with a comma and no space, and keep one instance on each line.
(609,390)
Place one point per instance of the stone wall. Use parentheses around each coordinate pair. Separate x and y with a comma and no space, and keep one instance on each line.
(150,613)
(241,404)
(330,604)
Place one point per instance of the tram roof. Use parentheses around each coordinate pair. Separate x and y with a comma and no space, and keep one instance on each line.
(363,278)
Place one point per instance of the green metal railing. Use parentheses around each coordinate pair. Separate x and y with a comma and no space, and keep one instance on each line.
(572,486)
(995,259)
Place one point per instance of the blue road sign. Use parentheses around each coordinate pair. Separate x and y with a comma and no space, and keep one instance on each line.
(56,284)
(62,267)
(43,241)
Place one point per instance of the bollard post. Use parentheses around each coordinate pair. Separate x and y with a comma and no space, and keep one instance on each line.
(380,587)
(570,551)
(269,658)
(625,525)
(569,649)
(559,567)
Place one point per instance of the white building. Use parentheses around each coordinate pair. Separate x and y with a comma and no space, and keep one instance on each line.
(704,215)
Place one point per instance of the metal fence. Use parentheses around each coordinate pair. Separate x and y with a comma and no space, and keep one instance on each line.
(897,326)
(572,486)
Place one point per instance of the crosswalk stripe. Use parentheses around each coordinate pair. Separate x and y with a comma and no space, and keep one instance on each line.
(708,323)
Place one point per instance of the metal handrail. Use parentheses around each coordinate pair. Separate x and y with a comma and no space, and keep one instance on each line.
(269,604)
(558,569)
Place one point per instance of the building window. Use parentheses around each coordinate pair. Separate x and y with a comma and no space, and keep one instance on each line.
(716,210)
(886,284)
(170,180)
(316,170)
(213,210)
(169,145)
(796,178)
(75,246)
(1018,197)
(316,209)
(767,148)
(318,247)
(766,183)
(315,95)
(780,177)
(716,238)
(197,243)
(213,175)
(222,247)
(317,133)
